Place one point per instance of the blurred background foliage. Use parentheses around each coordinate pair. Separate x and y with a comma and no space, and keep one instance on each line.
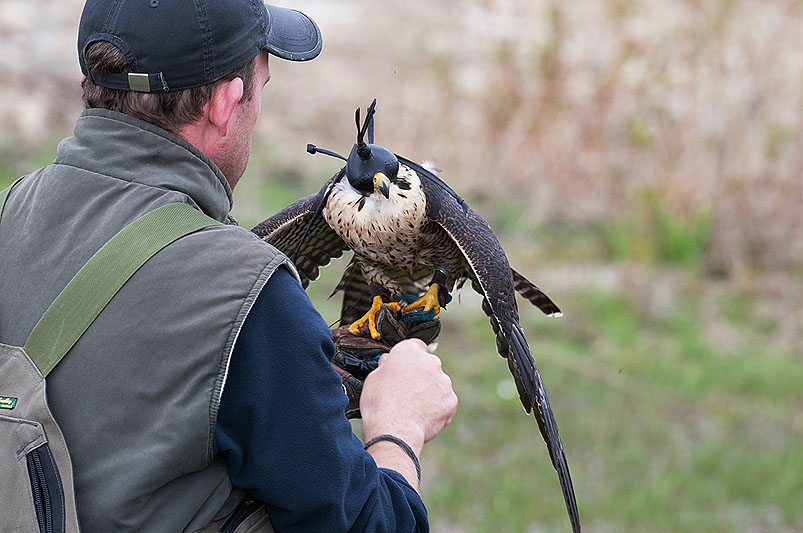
(640,161)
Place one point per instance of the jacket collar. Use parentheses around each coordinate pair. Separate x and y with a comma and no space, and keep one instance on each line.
(123,147)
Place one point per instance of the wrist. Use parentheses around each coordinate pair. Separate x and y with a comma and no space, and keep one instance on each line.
(414,437)
(396,441)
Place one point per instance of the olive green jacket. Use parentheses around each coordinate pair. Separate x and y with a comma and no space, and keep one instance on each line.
(137,396)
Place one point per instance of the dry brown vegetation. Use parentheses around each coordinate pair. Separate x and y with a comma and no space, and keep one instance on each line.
(579,107)
(583,106)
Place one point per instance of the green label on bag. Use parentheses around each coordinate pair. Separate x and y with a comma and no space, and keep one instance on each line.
(7,402)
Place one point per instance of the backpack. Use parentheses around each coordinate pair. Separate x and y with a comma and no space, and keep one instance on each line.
(37,482)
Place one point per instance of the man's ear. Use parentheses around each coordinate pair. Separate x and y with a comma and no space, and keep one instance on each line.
(225,97)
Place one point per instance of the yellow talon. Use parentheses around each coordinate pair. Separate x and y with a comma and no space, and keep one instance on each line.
(428,301)
(370,316)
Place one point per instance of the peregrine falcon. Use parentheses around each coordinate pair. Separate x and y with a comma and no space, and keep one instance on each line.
(414,241)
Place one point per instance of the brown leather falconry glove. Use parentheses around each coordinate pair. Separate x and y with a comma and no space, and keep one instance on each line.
(357,356)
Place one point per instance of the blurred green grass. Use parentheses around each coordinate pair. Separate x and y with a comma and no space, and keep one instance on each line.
(686,416)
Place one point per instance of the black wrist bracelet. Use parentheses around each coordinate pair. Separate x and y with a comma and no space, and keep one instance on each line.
(404,446)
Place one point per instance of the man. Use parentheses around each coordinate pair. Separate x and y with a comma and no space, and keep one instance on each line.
(204,387)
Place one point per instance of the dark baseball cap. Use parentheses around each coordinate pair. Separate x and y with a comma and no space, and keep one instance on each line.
(174,45)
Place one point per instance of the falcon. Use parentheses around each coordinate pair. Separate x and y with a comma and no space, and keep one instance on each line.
(414,241)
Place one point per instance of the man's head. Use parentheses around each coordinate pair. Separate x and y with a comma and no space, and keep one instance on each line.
(226,127)
(179,64)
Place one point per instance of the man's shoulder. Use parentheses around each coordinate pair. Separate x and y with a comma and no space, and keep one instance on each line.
(230,246)
(237,240)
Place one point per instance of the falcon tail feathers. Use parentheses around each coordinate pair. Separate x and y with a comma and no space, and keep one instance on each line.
(535,295)
(519,349)
(356,293)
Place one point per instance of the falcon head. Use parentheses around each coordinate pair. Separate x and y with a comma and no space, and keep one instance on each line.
(370,167)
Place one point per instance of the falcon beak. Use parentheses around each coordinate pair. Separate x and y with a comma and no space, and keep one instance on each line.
(382,184)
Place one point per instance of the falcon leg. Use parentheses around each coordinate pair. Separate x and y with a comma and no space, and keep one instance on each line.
(427,302)
(370,317)
(432,299)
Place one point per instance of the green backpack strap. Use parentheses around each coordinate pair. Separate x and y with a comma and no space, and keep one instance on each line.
(88,292)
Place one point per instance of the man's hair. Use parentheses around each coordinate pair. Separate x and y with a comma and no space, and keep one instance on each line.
(169,111)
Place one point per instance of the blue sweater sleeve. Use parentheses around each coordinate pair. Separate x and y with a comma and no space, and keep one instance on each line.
(282,427)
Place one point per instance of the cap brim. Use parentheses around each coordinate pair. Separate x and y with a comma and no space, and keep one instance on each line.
(292,34)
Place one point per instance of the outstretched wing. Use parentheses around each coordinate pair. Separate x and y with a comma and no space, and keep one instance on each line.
(492,277)
(285,229)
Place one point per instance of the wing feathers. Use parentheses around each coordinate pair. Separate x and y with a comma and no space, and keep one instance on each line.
(520,351)
(496,281)
(285,229)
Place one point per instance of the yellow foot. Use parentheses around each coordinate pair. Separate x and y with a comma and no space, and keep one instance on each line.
(370,317)
(428,301)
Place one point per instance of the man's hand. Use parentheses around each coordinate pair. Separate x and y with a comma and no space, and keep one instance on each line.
(408,396)
(358,355)
(397,386)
